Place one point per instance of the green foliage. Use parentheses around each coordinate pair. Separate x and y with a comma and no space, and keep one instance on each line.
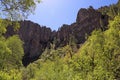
(49,70)
(112,10)
(11,75)
(17,9)
(98,57)
(4,52)
(3,26)
(16,47)
(11,48)
(11,52)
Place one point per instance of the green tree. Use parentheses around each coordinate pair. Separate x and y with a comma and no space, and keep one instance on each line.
(16,46)
(13,74)
(4,52)
(112,46)
(17,9)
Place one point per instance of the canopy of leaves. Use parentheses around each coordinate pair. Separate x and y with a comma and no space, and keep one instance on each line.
(17,9)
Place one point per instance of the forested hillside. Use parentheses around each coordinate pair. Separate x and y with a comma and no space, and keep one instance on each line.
(97,59)
(37,38)
(88,49)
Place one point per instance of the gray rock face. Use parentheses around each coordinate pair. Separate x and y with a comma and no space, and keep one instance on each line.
(87,21)
(37,38)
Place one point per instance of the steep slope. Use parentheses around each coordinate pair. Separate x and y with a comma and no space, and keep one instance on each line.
(37,38)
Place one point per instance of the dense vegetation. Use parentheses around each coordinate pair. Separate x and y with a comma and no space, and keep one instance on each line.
(97,59)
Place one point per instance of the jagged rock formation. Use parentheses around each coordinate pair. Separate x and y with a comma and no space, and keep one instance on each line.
(87,20)
(37,38)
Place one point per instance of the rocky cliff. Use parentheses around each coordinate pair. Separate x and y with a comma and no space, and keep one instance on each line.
(36,38)
(87,21)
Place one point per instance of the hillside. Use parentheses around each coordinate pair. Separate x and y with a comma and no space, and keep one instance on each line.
(37,38)
(87,49)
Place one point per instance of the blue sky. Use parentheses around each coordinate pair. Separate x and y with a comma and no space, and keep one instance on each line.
(55,13)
